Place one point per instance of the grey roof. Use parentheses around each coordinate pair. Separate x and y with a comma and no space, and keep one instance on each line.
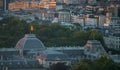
(19,63)
(8,49)
(30,42)
(55,55)
(94,42)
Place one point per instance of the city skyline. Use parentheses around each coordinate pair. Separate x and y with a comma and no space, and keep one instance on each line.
(39,34)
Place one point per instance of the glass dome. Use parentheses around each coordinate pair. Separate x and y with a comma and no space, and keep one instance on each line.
(30,42)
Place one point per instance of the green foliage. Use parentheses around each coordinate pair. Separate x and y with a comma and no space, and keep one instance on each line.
(79,37)
(12,29)
(59,66)
(81,66)
(102,63)
(53,34)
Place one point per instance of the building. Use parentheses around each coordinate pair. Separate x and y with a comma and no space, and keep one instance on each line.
(64,16)
(60,1)
(112,37)
(94,49)
(68,25)
(115,24)
(4,5)
(1,4)
(49,16)
(115,58)
(52,4)
(92,1)
(18,5)
(75,2)
(30,53)
(113,41)
(75,53)
(59,6)
(114,8)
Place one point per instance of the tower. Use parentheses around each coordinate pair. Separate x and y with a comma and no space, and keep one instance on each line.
(1,4)
(5,5)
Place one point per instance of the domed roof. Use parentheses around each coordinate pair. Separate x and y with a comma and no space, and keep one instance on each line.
(30,42)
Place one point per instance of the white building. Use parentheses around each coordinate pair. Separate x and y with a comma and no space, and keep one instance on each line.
(115,24)
(64,16)
(113,41)
(68,25)
(49,16)
(115,58)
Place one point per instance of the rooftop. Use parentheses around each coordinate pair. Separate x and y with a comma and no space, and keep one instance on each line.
(30,42)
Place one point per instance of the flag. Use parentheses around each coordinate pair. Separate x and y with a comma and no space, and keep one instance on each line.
(32,28)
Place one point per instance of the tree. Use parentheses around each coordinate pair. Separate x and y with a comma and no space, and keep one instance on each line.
(104,63)
(79,37)
(81,66)
(59,66)
(12,29)
(93,35)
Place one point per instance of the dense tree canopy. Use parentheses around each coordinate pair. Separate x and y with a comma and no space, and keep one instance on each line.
(12,29)
(102,63)
(59,66)
(81,66)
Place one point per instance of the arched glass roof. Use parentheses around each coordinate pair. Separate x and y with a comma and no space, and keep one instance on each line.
(30,42)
